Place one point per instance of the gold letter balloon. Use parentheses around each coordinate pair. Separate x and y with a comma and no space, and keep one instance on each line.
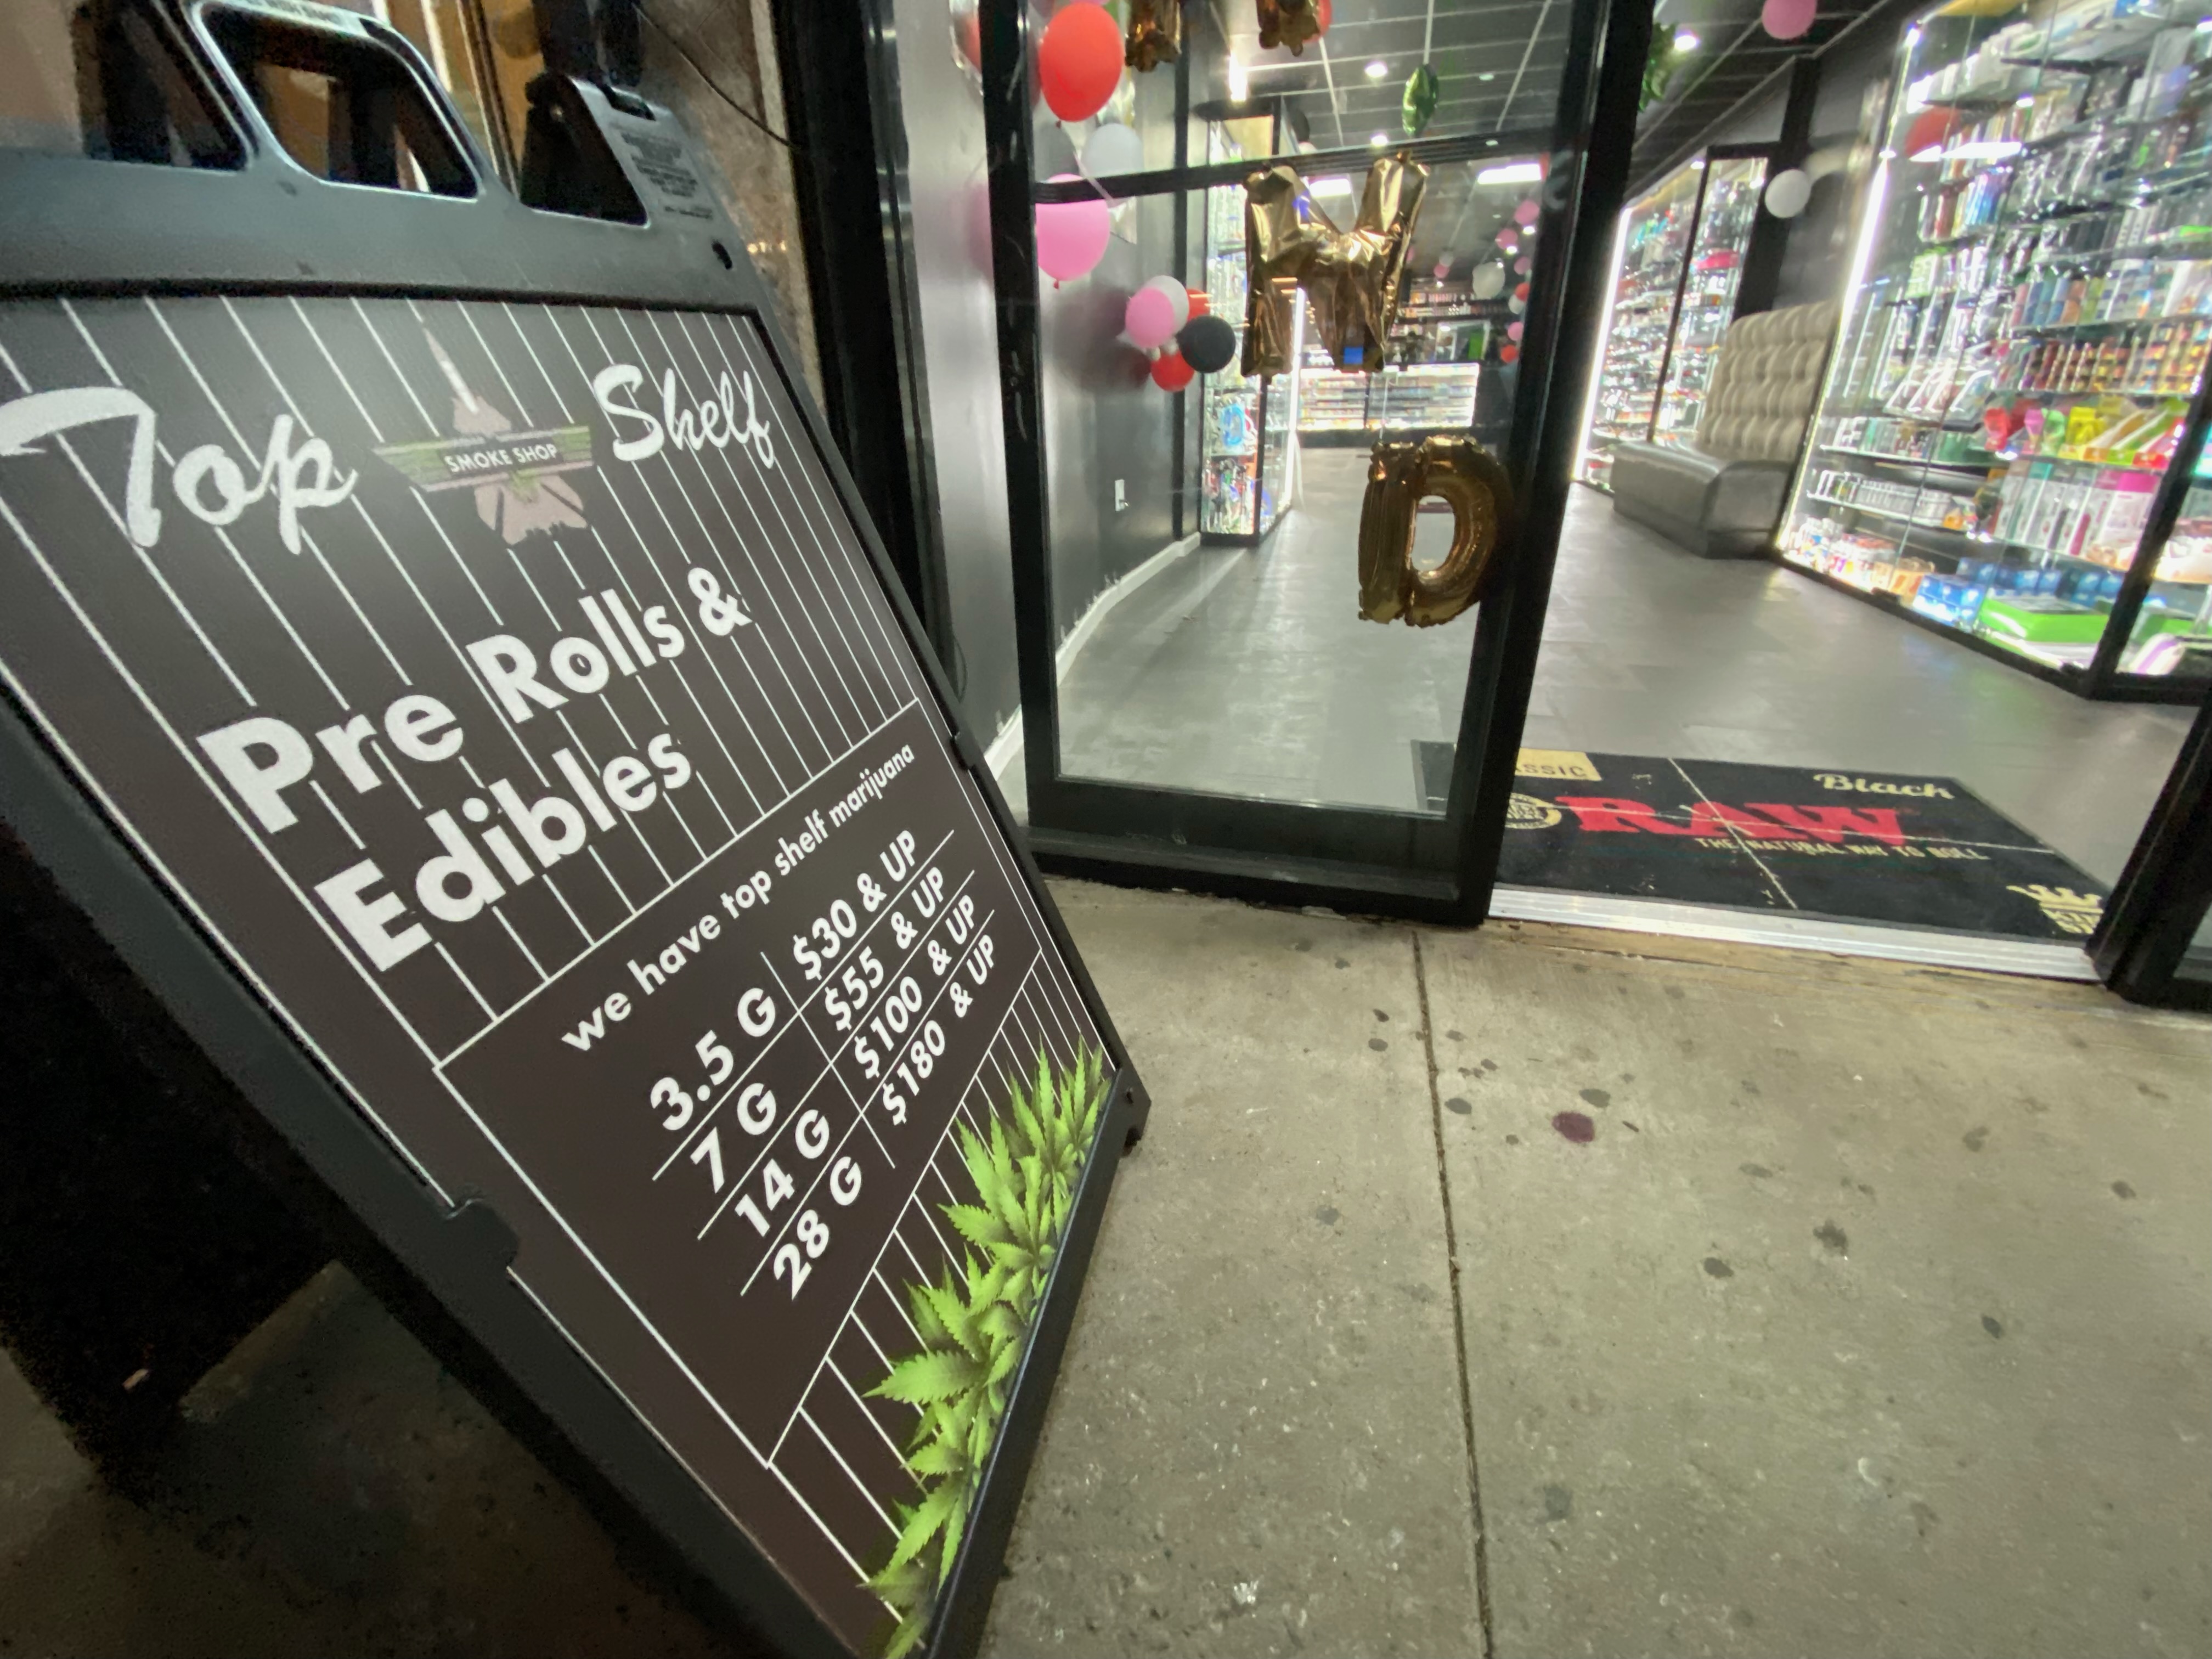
(1460,473)
(1288,23)
(1350,276)
(1154,35)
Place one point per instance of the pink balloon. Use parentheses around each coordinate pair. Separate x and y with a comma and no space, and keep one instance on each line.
(1785,20)
(1149,317)
(1444,269)
(1071,236)
(1520,266)
(1513,330)
(1526,213)
(1507,237)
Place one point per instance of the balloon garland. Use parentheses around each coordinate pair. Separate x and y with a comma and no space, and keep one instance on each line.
(1072,236)
(1079,61)
(1111,150)
(1787,193)
(1208,344)
(1786,20)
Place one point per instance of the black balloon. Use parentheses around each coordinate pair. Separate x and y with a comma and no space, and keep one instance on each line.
(1208,344)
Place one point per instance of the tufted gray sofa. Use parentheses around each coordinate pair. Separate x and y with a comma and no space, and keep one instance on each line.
(1721,494)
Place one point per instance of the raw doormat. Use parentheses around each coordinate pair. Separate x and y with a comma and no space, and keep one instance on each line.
(1866,847)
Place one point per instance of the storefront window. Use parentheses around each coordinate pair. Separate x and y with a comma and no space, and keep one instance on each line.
(1206,595)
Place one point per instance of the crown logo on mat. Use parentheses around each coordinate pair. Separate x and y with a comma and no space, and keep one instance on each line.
(2069,911)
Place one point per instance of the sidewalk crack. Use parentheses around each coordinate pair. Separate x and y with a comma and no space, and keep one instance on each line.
(1458,1313)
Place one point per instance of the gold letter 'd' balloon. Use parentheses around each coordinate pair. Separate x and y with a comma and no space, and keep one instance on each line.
(1155,33)
(1350,276)
(1460,471)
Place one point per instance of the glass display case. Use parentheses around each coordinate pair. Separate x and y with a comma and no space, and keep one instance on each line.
(1425,396)
(1437,346)
(1655,247)
(2030,306)
(1331,404)
(1707,304)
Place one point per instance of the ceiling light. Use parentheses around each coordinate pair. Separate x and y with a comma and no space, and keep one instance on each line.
(1513,172)
(1376,68)
(1335,184)
(1378,139)
(1686,40)
(1240,83)
(1486,77)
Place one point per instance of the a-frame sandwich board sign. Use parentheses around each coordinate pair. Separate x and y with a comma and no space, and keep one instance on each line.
(447,665)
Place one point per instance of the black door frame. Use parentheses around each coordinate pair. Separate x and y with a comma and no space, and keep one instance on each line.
(2163,893)
(849,166)
(1370,860)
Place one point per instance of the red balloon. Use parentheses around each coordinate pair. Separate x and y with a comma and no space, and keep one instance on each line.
(1202,303)
(1079,61)
(1521,290)
(1508,353)
(1170,373)
(1324,14)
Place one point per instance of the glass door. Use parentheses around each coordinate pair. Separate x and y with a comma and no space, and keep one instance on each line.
(1203,699)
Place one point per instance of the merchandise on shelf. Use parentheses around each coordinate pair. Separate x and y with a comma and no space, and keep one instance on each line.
(1708,302)
(2019,362)
(1654,252)
(1245,427)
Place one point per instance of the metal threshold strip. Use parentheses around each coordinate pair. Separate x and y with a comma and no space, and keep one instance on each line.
(1929,947)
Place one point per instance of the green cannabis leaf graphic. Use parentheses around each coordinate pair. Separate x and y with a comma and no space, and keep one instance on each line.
(973,1327)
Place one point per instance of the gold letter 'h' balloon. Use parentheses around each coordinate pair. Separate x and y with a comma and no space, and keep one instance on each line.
(1351,277)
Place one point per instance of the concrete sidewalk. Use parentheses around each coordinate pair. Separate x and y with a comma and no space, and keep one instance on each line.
(1526,1290)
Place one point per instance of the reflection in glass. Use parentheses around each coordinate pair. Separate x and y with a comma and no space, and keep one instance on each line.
(1497,70)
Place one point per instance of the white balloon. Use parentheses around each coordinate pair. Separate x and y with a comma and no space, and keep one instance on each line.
(1517,305)
(1178,296)
(1787,194)
(1112,149)
(1488,281)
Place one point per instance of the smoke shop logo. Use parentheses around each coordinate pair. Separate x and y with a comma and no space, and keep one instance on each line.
(2069,912)
(516,475)
(1527,812)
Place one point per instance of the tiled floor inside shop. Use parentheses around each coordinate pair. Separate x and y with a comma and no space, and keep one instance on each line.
(1250,672)
(1526,1291)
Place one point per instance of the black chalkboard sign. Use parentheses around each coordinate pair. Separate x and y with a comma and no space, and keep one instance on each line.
(504,691)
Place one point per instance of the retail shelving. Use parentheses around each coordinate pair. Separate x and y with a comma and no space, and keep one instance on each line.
(1654,250)
(1707,305)
(1246,423)
(2020,377)
(1682,254)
